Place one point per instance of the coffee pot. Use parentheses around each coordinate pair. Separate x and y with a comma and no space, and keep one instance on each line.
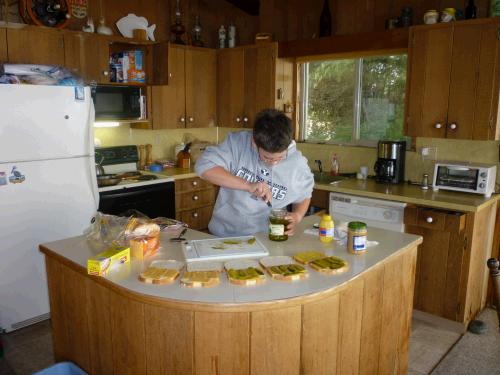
(99,170)
(390,165)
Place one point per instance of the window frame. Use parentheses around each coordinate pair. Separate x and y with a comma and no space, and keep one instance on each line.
(303,68)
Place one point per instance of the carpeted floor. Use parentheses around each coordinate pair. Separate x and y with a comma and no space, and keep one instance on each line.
(474,354)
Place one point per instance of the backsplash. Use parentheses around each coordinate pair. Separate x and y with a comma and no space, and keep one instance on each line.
(350,158)
(163,141)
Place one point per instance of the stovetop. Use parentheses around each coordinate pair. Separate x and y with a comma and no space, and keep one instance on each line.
(122,161)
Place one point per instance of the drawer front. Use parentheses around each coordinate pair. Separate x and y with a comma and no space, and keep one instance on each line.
(197,218)
(431,219)
(194,199)
(190,184)
(436,219)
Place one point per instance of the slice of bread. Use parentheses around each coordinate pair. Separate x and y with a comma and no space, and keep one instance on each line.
(154,275)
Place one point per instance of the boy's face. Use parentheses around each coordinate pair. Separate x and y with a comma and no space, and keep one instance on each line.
(271,158)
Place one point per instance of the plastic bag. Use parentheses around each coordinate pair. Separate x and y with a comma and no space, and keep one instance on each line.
(104,230)
(35,74)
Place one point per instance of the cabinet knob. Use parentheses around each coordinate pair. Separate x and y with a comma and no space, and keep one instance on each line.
(195,183)
(429,219)
(194,214)
(195,197)
(453,126)
(191,119)
(238,119)
(183,119)
(105,73)
(438,126)
(245,119)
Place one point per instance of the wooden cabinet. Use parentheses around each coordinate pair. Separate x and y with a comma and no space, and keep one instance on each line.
(188,101)
(194,202)
(32,45)
(451,276)
(3,45)
(250,79)
(453,80)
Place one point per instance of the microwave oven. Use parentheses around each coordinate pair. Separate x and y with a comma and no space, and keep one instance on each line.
(465,177)
(118,103)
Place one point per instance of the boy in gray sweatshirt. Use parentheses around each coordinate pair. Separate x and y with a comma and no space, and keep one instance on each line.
(257,171)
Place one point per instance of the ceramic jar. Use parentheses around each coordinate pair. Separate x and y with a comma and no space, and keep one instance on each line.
(431,17)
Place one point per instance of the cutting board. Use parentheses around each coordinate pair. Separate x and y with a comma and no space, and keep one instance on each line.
(223,248)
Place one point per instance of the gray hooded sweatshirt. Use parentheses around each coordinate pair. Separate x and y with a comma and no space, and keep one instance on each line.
(237,212)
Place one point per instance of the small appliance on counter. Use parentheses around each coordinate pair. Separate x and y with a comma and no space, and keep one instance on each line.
(465,177)
(390,165)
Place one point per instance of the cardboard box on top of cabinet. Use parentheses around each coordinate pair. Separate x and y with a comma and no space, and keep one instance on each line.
(101,264)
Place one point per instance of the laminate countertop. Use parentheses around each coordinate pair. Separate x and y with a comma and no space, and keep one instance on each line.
(176,173)
(76,250)
(448,200)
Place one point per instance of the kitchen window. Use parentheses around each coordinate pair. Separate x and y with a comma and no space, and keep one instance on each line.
(353,101)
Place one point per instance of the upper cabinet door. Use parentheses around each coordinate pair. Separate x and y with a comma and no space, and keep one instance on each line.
(260,75)
(169,101)
(95,59)
(429,81)
(35,46)
(201,84)
(230,87)
(486,126)
(464,81)
(3,45)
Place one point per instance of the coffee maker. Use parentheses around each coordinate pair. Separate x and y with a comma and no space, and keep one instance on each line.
(390,165)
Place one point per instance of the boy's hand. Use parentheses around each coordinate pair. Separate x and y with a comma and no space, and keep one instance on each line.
(293,218)
(260,190)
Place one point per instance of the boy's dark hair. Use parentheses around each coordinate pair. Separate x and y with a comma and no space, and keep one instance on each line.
(272,130)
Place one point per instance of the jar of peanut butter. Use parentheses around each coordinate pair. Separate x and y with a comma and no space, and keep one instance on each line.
(356,237)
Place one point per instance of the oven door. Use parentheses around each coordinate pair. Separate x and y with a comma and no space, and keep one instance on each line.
(152,200)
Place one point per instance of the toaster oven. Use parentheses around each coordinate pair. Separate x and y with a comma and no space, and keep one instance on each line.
(465,177)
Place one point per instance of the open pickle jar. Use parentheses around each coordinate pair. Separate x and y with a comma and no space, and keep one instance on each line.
(278,224)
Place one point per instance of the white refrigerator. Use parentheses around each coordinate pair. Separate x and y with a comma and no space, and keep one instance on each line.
(48,188)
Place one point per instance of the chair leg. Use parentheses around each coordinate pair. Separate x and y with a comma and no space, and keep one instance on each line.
(493,265)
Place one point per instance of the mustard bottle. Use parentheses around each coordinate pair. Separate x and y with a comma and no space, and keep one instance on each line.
(326,229)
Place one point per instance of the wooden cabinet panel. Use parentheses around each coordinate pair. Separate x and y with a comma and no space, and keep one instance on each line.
(191,184)
(3,45)
(281,331)
(95,57)
(429,81)
(127,319)
(218,350)
(453,80)
(169,102)
(463,81)
(73,52)
(486,119)
(439,261)
(169,340)
(200,87)
(197,218)
(35,46)
(187,201)
(230,86)
(321,199)
(260,70)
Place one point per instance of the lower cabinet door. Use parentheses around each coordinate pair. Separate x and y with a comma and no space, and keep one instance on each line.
(197,218)
(439,260)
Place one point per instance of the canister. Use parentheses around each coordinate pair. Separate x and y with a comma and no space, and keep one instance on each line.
(356,237)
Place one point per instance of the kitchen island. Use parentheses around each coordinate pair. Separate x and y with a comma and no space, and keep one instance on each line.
(356,321)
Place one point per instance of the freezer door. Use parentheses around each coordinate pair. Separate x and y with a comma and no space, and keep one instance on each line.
(45,122)
(41,202)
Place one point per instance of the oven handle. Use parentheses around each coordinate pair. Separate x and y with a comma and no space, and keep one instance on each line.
(167,187)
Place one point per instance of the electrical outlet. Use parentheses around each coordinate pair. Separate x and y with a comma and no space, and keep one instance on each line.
(428,152)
